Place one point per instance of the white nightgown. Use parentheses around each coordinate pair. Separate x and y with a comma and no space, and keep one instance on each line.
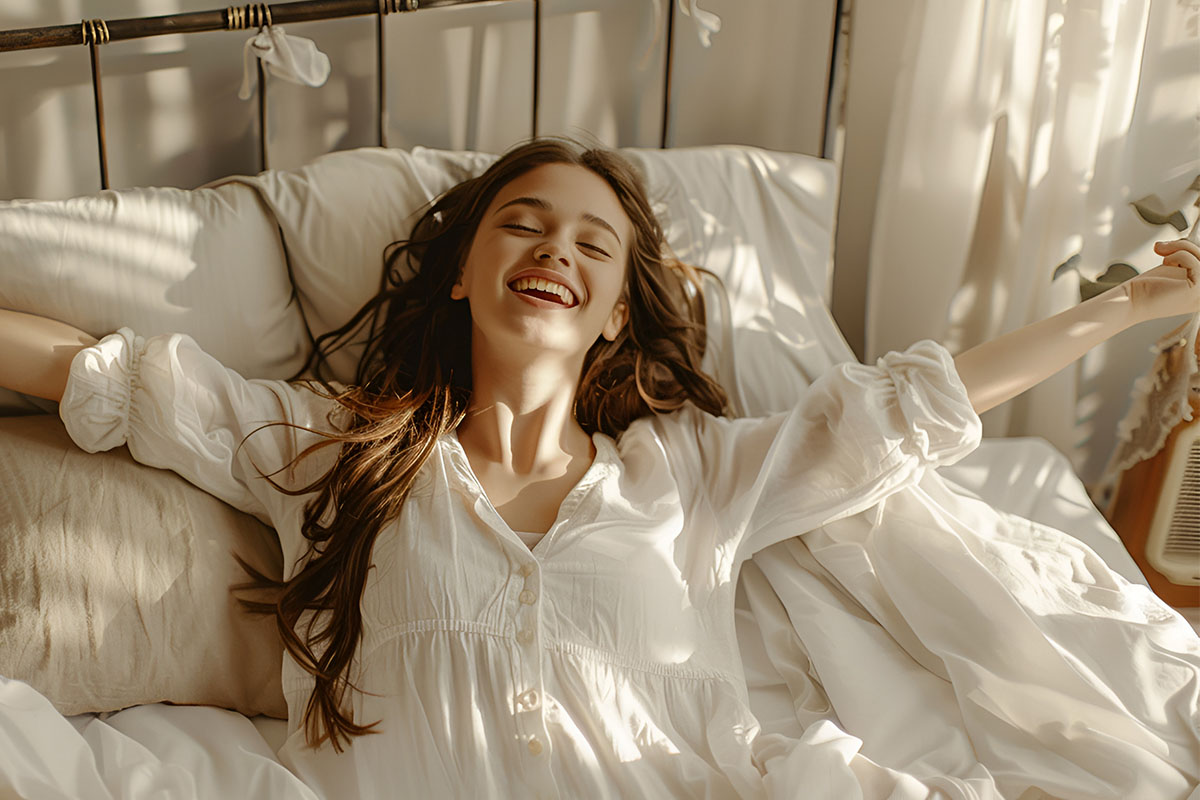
(601,663)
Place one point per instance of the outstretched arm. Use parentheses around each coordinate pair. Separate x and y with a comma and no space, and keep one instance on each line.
(36,353)
(1002,368)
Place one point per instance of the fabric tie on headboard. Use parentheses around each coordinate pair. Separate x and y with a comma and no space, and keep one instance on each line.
(707,23)
(292,58)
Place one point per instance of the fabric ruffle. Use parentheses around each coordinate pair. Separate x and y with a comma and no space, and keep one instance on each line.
(96,402)
(1161,401)
(934,402)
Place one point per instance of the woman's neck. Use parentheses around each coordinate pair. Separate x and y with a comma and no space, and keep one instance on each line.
(521,419)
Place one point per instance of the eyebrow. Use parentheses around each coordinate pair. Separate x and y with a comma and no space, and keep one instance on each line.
(537,202)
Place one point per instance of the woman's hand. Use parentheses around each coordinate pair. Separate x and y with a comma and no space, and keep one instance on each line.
(1170,289)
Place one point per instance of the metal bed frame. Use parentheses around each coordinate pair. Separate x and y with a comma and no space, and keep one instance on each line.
(94,33)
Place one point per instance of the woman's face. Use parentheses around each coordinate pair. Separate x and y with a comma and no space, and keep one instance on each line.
(548,261)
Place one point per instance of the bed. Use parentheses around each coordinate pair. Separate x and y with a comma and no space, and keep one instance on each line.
(125,662)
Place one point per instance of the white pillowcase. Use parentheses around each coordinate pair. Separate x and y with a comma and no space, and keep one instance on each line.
(206,262)
(339,213)
(762,221)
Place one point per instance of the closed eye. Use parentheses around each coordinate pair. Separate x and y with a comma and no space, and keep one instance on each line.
(526,229)
(599,250)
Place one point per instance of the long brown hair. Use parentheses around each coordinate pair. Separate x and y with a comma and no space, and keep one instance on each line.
(413,385)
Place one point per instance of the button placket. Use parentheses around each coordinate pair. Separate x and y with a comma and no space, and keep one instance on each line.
(528,694)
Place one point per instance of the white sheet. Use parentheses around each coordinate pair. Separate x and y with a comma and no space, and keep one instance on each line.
(186,752)
(939,637)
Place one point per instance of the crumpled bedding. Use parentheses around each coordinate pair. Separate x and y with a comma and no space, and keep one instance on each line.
(982,655)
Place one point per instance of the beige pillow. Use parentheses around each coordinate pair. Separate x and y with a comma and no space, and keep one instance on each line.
(114,582)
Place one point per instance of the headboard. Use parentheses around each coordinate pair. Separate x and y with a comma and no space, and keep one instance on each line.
(152,101)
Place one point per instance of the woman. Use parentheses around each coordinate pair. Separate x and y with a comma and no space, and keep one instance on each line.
(512,546)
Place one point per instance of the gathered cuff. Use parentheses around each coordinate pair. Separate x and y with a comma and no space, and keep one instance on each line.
(931,396)
(96,403)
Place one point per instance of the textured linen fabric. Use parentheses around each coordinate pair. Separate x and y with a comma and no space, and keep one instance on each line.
(100,560)
(603,662)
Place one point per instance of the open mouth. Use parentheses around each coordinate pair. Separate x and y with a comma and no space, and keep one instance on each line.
(544,290)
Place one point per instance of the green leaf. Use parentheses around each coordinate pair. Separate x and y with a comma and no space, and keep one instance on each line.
(1071,263)
(1115,275)
(1150,208)
(1118,272)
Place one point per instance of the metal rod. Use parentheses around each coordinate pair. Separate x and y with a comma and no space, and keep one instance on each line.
(262,115)
(537,60)
(99,101)
(382,83)
(199,21)
(831,100)
(666,116)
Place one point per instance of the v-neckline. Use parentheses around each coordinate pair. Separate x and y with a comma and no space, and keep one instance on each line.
(602,464)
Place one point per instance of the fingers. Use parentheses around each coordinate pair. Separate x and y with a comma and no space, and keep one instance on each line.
(1182,258)
(1166,248)
(1181,254)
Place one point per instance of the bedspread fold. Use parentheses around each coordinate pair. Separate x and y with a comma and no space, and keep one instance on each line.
(981,654)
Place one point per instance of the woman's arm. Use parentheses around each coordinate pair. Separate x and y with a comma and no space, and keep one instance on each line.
(1001,369)
(36,353)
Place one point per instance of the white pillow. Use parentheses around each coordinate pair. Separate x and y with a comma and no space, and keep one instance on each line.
(339,213)
(761,220)
(207,262)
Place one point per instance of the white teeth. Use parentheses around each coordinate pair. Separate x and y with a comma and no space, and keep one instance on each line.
(543,285)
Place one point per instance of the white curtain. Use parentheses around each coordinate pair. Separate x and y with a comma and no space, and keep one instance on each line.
(1008,151)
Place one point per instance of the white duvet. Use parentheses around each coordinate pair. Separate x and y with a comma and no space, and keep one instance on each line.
(894,685)
(970,643)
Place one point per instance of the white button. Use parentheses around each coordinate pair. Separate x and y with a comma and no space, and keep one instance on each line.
(529,699)
(526,570)
(527,597)
(535,746)
(525,636)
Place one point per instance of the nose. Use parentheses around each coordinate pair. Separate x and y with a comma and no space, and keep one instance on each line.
(549,251)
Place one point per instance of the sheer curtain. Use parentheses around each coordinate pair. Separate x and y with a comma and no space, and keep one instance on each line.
(1009,150)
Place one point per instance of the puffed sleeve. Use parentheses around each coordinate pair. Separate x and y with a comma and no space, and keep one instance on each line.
(178,408)
(856,435)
